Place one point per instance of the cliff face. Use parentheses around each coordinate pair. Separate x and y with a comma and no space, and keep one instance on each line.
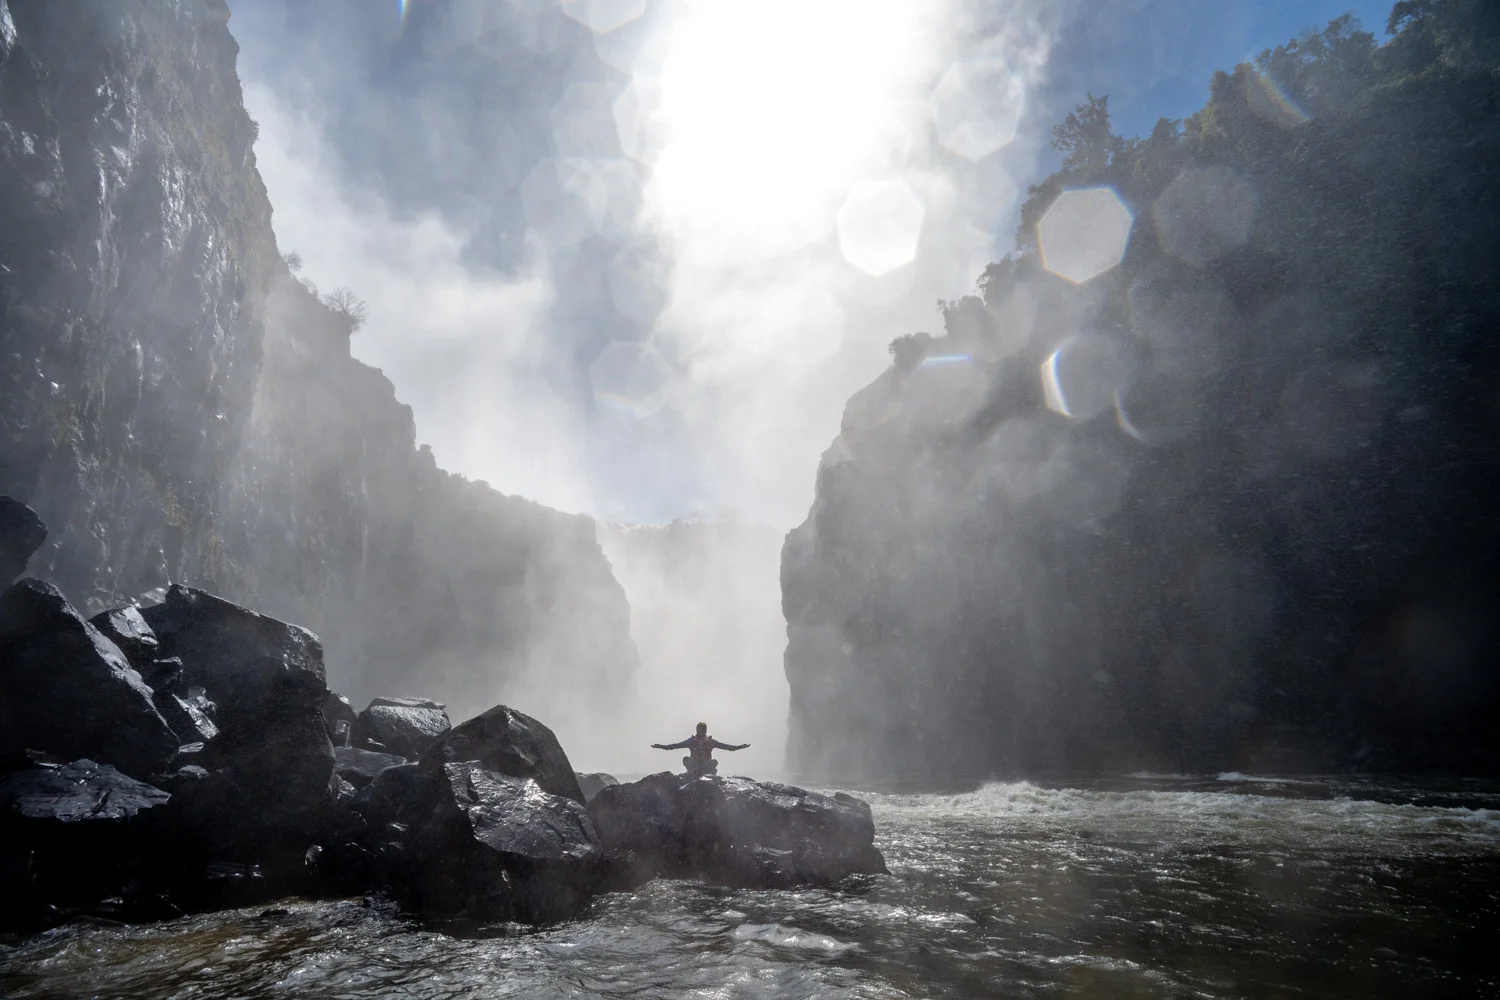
(1207,511)
(178,407)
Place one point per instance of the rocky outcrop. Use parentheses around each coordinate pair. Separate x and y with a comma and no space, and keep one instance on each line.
(737,832)
(179,408)
(466,842)
(511,743)
(1191,515)
(67,689)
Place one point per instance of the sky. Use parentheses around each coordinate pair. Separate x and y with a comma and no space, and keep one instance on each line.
(630,257)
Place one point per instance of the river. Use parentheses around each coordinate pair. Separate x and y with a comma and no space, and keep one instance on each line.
(1139,886)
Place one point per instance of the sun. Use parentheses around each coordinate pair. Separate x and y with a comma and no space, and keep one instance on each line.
(772,110)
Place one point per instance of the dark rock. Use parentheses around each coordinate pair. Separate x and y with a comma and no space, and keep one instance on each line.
(404,726)
(360,767)
(186,716)
(68,690)
(251,664)
(487,846)
(73,835)
(266,679)
(164,674)
(127,629)
(592,782)
(21,533)
(340,718)
(738,832)
(82,791)
(508,742)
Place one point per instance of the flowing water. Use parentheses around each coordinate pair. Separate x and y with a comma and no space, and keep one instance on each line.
(1147,886)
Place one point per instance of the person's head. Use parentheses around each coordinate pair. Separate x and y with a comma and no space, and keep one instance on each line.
(702,729)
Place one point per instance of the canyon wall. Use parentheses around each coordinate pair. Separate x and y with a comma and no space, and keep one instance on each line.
(178,407)
(1227,505)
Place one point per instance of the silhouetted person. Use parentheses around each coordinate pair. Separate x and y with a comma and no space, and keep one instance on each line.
(700,747)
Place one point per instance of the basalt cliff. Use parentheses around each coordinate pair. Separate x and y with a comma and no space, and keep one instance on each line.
(179,408)
(1223,500)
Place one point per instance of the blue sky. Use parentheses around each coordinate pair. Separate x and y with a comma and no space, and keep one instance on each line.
(1155,59)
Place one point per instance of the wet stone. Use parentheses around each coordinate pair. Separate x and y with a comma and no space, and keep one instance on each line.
(404,726)
(508,742)
(21,533)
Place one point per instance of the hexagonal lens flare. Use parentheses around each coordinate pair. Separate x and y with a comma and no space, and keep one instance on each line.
(1204,213)
(976,107)
(603,15)
(1080,379)
(879,226)
(1084,233)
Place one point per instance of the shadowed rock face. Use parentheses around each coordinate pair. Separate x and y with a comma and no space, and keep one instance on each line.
(738,832)
(404,726)
(508,742)
(1191,515)
(21,534)
(67,689)
(179,408)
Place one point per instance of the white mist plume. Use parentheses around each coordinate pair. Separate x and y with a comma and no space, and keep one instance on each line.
(467,350)
(800,183)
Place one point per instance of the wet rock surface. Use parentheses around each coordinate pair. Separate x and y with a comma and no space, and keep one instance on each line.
(737,832)
(403,726)
(509,742)
(69,690)
(21,533)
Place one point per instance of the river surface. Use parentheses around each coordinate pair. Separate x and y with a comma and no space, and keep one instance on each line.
(1146,886)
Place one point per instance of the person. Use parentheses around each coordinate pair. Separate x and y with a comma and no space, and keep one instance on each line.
(700,747)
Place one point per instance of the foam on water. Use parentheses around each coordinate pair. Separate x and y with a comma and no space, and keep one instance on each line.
(1190,818)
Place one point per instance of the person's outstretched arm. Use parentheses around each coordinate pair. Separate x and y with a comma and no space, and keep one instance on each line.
(729,746)
(672,746)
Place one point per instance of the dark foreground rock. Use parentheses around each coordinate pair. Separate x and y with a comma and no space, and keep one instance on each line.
(737,832)
(464,842)
(594,782)
(69,691)
(403,726)
(72,836)
(509,742)
(230,792)
(21,533)
(266,679)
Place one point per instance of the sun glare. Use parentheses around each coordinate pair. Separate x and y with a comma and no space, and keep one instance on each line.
(771,110)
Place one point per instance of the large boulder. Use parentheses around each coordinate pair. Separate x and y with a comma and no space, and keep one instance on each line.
(67,690)
(508,742)
(404,726)
(21,534)
(461,841)
(738,832)
(252,666)
(593,782)
(72,836)
(269,791)
(266,678)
